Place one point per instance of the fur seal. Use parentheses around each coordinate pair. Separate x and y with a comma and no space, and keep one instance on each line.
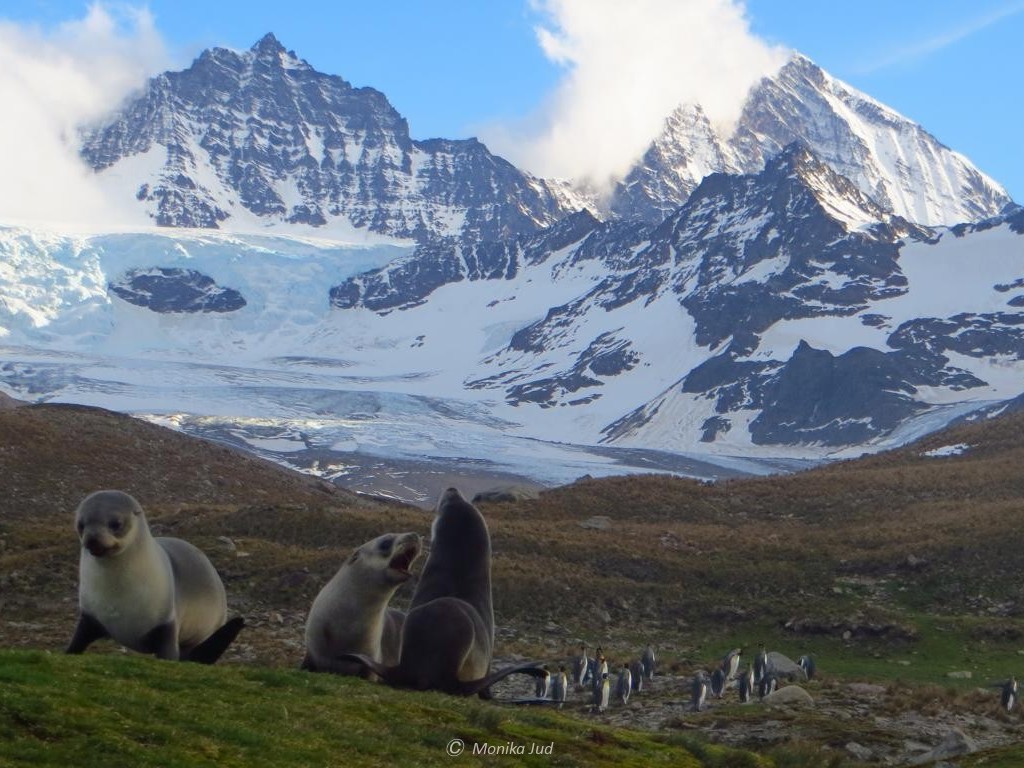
(152,594)
(351,614)
(448,637)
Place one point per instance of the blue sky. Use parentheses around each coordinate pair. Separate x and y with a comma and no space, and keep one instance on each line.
(455,68)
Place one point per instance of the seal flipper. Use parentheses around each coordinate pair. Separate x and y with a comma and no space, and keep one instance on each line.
(384,673)
(86,631)
(163,641)
(211,649)
(482,687)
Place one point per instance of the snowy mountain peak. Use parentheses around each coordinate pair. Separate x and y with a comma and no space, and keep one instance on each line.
(839,198)
(268,46)
(889,158)
(259,138)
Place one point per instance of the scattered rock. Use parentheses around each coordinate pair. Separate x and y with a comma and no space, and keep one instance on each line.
(955,744)
(866,689)
(597,523)
(914,563)
(789,696)
(229,545)
(963,674)
(859,751)
(783,666)
(327,487)
(507,493)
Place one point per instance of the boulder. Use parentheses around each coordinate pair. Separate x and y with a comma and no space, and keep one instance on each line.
(789,696)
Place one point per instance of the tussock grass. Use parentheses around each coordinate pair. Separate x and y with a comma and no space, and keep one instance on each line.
(132,711)
(895,569)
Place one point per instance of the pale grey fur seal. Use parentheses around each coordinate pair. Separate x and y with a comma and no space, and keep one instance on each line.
(448,637)
(152,594)
(351,615)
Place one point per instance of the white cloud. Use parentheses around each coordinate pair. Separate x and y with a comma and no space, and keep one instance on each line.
(627,65)
(52,82)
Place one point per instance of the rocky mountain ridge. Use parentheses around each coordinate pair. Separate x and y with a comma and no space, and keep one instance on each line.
(891,159)
(261,135)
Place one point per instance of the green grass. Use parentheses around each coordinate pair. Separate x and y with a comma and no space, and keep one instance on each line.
(919,559)
(131,711)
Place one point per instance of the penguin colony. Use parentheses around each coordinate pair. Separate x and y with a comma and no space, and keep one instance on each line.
(162,595)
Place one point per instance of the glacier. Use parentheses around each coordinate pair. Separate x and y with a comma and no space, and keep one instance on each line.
(355,398)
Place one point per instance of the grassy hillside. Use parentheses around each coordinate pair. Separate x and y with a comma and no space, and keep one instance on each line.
(135,712)
(896,571)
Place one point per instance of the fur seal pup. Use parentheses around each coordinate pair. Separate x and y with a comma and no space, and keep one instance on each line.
(351,614)
(152,594)
(448,637)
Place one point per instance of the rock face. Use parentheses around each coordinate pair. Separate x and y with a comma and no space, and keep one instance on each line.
(172,289)
(262,134)
(956,744)
(795,246)
(894,161)
(784,286)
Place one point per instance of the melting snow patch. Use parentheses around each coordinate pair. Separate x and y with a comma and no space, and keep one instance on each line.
(947,450)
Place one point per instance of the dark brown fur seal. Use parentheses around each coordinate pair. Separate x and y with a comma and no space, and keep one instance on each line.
(448,638)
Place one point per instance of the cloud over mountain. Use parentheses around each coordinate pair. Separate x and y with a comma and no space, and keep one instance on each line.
(627,66)
(55,81)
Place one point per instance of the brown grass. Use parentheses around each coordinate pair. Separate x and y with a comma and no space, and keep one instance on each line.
(849,547)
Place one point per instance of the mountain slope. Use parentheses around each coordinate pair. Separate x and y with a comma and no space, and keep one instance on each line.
(865,564)
(243,139)
(782,309)
(778,314)
(888,157)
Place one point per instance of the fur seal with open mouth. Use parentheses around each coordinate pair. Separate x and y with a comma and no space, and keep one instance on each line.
(351,614)
(448,638)
(152,594)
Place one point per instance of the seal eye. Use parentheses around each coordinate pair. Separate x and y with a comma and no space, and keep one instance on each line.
(80,527)
(385,544)
(115,526)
